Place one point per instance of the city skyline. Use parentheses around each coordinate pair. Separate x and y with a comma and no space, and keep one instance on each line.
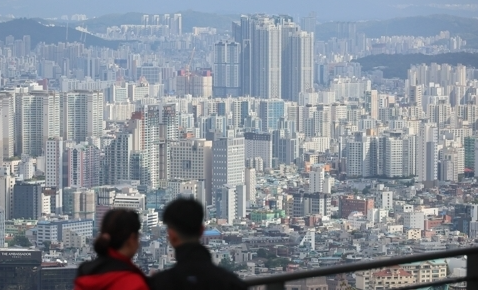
(307,145)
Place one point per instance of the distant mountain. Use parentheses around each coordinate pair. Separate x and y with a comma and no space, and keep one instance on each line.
(351,10)
(396,65)
(431,25)
(190,19)
(49,34)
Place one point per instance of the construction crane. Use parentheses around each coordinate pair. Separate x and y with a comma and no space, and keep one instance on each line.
(188,73)
(190,61)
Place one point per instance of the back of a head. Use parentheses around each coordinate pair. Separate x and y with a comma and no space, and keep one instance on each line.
(185,216)
(116,227)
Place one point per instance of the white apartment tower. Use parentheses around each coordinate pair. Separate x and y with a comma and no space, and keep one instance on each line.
(427,152)
(226,203)
(82,115)
(267,59)
(227,71)
(191,159)
(83,166)
(37,119)
(316,178)
(117,159)
(228,162)
(250,181)
(54,171)
(7,125)
(145,128)
(297,61)
(259,145)
(416,95)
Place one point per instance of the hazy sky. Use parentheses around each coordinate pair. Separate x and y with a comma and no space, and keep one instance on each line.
(326,9)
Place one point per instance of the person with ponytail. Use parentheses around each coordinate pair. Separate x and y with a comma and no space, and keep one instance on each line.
(116,245)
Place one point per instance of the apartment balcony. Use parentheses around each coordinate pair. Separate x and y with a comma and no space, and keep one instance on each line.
(466,282)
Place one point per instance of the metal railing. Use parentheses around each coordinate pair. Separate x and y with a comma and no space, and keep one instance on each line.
(277,282)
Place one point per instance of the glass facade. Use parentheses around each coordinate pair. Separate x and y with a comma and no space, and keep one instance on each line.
(20,269)
(58,278)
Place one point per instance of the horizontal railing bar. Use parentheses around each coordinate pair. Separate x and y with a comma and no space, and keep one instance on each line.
(360,266)
(436,283)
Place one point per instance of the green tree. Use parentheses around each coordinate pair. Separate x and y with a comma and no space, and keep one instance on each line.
(262,253)
(20,240)
(227,264)
(47,245)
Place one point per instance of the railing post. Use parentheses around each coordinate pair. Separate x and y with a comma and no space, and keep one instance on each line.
(275,286)
(472,271)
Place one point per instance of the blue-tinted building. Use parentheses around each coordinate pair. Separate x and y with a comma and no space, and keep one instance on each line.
(270,111)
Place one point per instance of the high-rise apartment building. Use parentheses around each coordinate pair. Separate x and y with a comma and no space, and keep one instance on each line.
(259,145)
(267,59)
(29,202)
(79,203)
(84,163)
(228,162)
(82,115)
(316,178)
(54,153)
(270,111)
(250,181)
(226,203)
(297,61)
(117,159)
(371,103)
(309,23)
(37,119)
(7,125)
(427,152)
(192,159)
(145,128)
(7,182)
(227,70)
(2,227)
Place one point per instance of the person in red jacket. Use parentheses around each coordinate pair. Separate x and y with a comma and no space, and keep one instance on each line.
(116,245)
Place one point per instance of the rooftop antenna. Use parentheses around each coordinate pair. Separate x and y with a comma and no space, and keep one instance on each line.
(67,22)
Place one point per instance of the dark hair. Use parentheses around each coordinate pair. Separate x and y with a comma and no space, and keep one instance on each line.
(184,216)
(116,227)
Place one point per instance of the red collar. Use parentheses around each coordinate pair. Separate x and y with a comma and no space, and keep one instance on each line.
(118,256)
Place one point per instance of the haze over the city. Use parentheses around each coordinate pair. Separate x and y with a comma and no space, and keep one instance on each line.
(277,140)
(326,10)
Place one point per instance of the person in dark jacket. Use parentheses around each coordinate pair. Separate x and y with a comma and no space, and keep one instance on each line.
(194,268)
(116,245)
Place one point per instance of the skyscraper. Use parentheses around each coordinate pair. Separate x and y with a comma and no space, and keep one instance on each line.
(117,159)
(371,103)
(37,119)
(267,59)
(29,202)
(227,162)
(82,115)
(145,127)
(191,159)
(2,227)
(270,111)
(54,171)
(427,152)
(297,61)
(7,125)
(226,70)
(83,166)
(308,23)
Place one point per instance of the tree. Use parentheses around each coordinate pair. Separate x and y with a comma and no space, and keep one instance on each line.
(20,240)
(227,264)
(47,245)
(262,253)
(277,262)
